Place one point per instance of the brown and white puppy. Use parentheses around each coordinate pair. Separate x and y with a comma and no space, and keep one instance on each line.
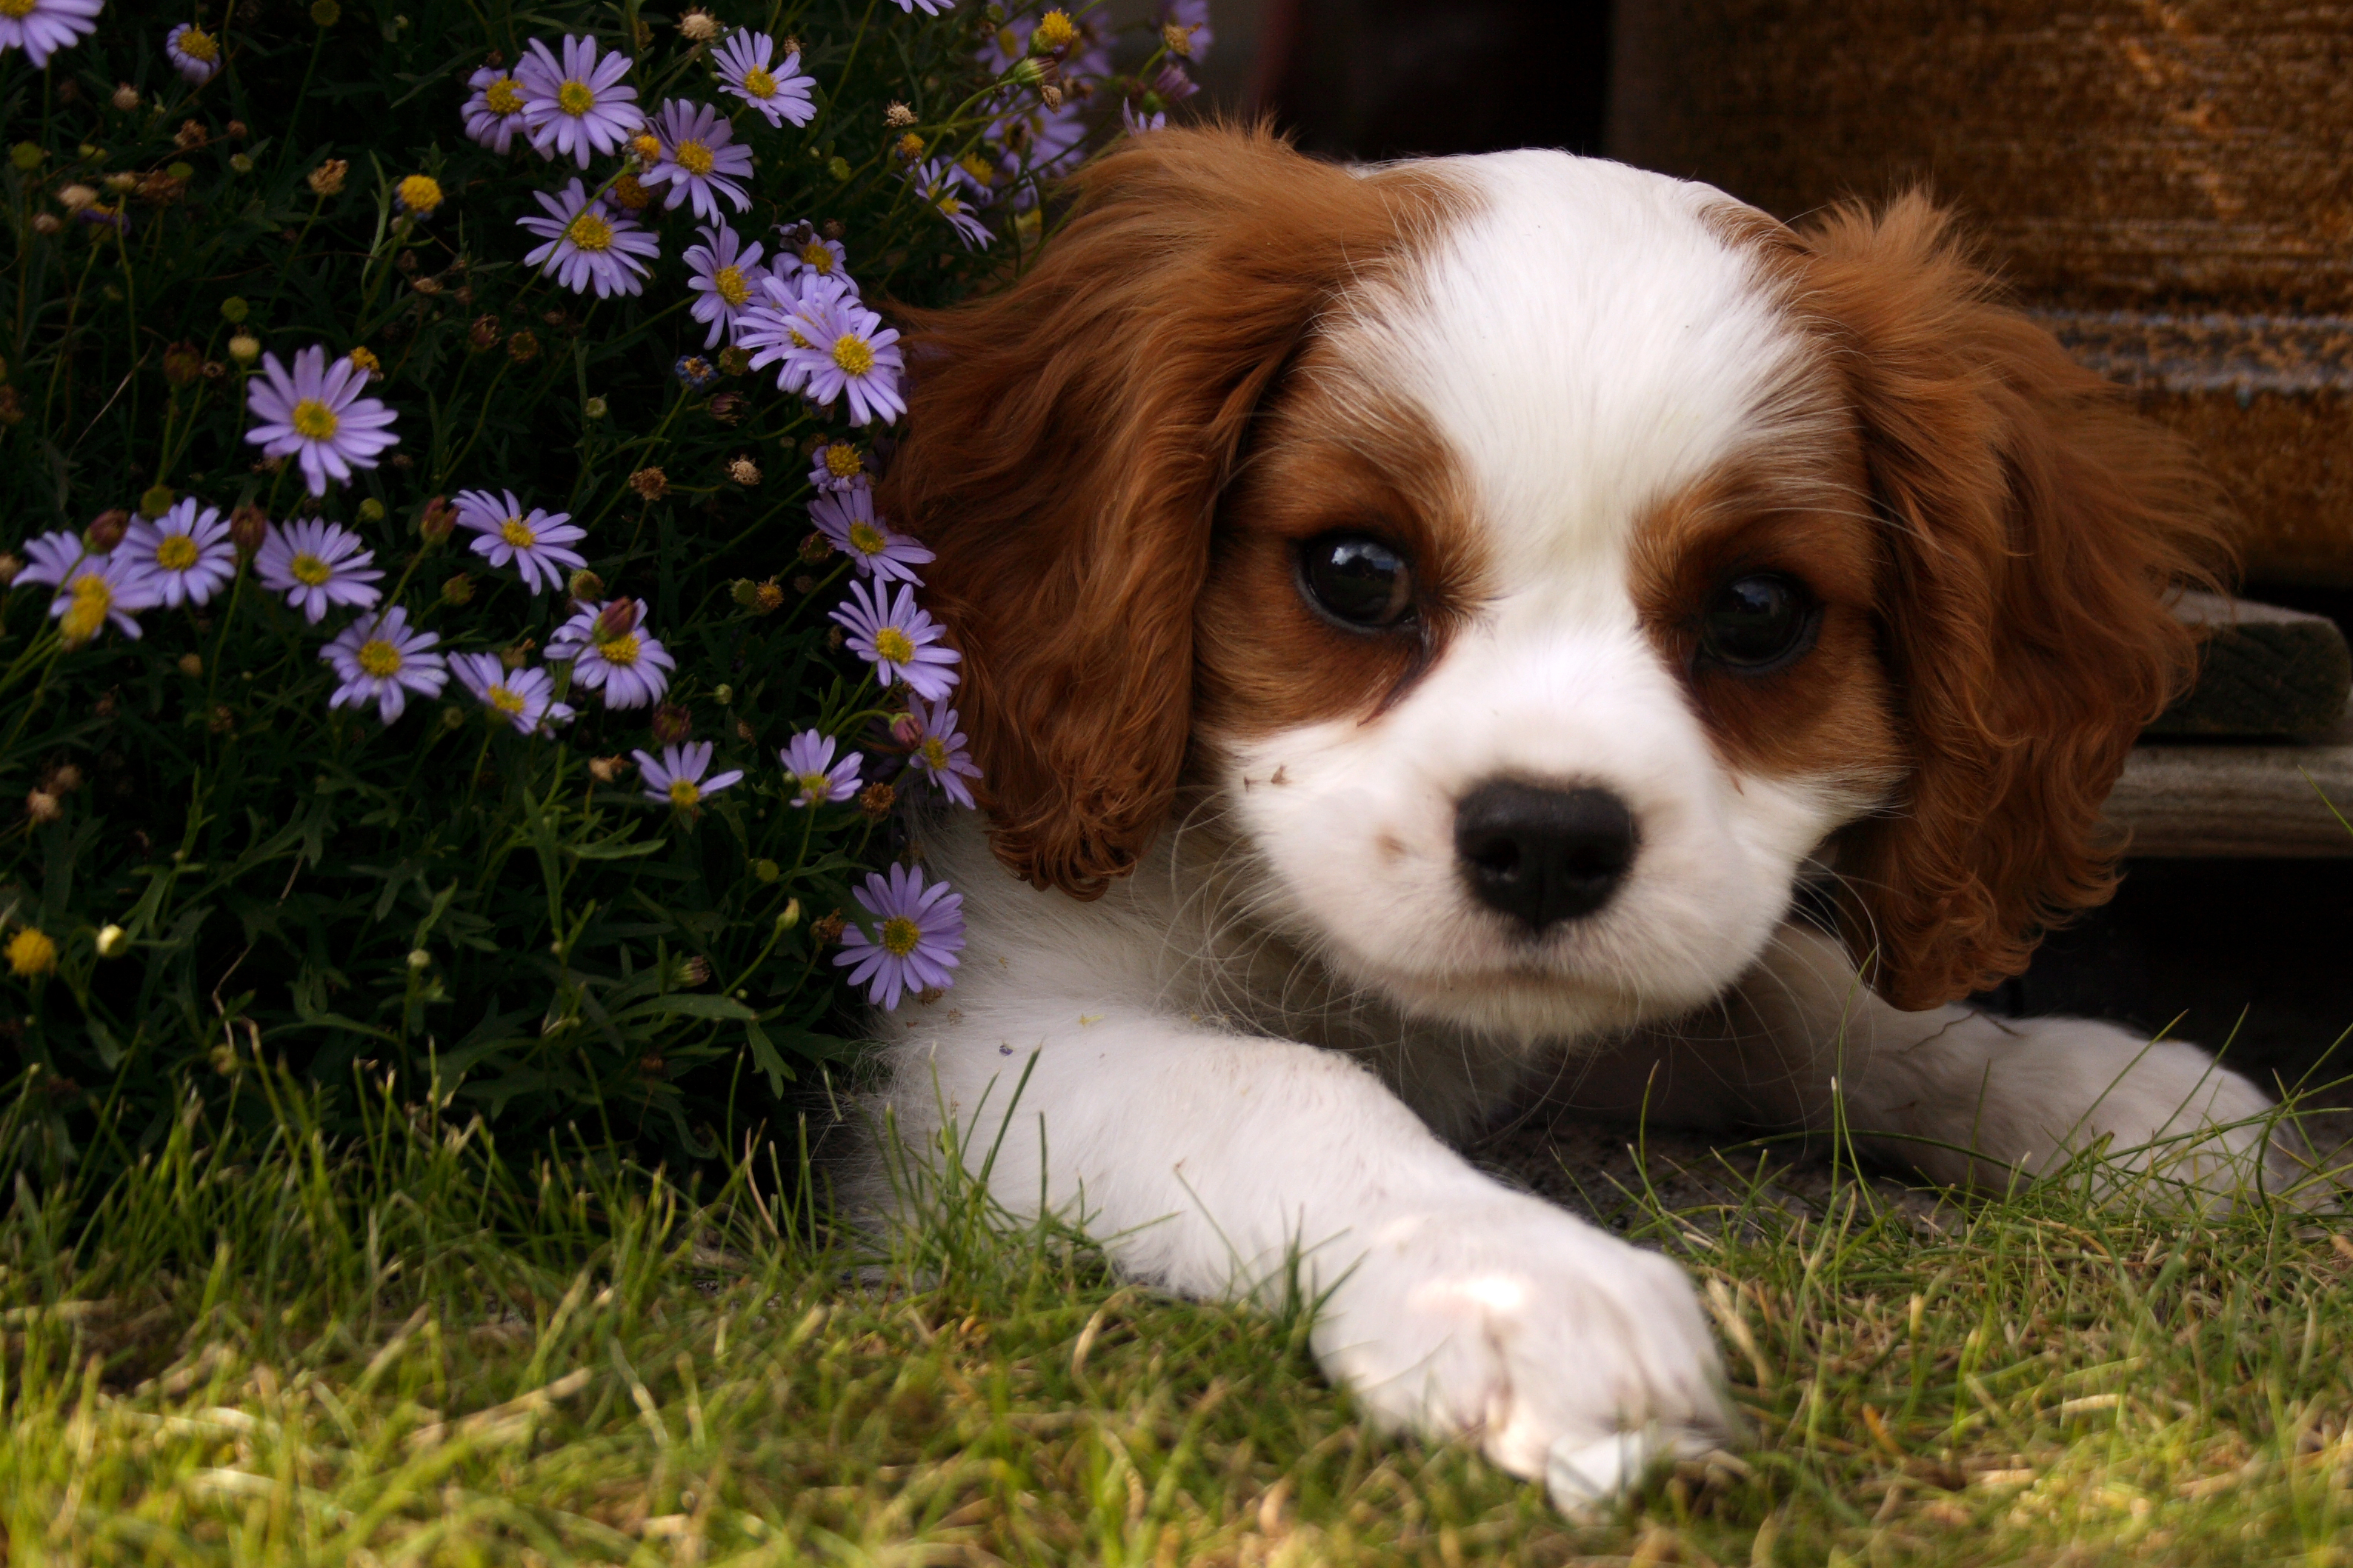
(1420,623)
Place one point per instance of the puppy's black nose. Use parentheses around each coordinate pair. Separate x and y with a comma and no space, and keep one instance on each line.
(1543,854)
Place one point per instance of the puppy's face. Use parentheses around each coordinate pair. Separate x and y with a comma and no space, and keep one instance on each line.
(1536,650)
(1537,561)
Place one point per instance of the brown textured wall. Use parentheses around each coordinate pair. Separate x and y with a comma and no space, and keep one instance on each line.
(2173,182)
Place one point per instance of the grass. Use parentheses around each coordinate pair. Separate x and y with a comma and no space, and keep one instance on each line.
(420,1350)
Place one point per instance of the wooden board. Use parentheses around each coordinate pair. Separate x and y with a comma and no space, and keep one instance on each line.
(2190,800)
(2266,673)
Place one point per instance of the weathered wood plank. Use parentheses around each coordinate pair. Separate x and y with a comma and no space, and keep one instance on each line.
(2187,802)
(2266,673)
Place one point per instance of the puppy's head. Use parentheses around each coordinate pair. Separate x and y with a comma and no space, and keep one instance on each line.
(1540,560)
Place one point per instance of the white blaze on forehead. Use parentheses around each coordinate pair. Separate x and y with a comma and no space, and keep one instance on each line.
(1590,345)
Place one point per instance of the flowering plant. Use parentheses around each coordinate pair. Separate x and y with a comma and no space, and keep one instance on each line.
(549,351)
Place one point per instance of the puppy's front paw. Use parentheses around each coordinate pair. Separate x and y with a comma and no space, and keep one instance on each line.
(1565,1353)
(2165,1108)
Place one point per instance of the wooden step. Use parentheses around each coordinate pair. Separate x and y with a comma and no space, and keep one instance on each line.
(2266,673)
(2192,800)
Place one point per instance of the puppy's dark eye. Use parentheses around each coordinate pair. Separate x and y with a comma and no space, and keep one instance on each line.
(1759,623)
(1356,580)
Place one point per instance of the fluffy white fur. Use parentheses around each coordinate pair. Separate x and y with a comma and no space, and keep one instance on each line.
(1258,1044)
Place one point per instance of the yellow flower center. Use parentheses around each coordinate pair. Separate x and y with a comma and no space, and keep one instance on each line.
(517,533)
(507,700)
(315,420)
(621,650)
(197,44)
(309,570)
(92,599)
(842,461)
(178,552)
(729,283)
(972,164)
(693,157)
(684,791)
(1055,31)
(589,232)
(574,98)
(30,952)
(504,96)
(366,359)
(379,658)
(759,83)
(949,204)
(420,193)
(814,256)
(646,146)
(852,352)
(935,753)
(798,341)
(631,194)
(817,787)
(900,935)
(894,646)
(866,539)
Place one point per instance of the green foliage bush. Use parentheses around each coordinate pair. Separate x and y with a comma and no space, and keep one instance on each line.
(202,863)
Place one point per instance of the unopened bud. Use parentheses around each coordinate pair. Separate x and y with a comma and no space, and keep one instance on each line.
(484,335)
(111,941)
(459,590)
(192,665)
(695,970)
(617,620)
(907,730)
(766,870)
(745,592)
(106,529)
(437,520)
(419,959)
(183,362)
(585,585)
(792,915)
(156,500)
(595,408)
(371,510)
(42,807)
(723,694)
(249,528)
(244,348)
(126,98)
(9,567)
(523,347)
(672,725)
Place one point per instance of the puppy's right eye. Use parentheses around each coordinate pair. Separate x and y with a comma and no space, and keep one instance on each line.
(1355,580)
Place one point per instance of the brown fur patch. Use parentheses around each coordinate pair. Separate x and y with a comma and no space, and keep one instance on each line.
(1072,436)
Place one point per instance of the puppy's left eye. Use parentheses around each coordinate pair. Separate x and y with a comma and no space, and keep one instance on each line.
(1355,580)
(1759,623)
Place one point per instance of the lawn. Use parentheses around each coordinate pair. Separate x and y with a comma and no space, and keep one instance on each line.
(426,1350)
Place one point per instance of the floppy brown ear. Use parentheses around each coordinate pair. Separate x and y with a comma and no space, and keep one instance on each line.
(2035,529)
(1067,441)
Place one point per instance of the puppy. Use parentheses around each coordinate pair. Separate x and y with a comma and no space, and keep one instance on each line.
(1420,626)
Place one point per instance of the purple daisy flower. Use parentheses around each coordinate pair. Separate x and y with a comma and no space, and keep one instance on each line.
(188,551)
(928,7)
(590,243)
(612,654)
(577,104)
(721,270)
(778,92)
(1136,124)
(42,27)
(919,932)
(494,114)
(837,465)
(382,662)
(53,555)
(809,762)
(103,589)
(677,775)
(950,189)
(316,564)
(936,747)
(800,249)
(523,698)
(771,329)
(700,160)
(848,520)
(900,640)
(316,416)
(848,350)
(194,53)
(532,542)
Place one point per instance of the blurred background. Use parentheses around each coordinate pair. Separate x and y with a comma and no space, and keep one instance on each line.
(2170,187)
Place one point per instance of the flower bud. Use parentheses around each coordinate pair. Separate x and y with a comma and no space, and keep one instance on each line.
(595,408)
(745,592)
(766,870)
(42,807)
(419,960)
(439,519)
(326,12)
(695,970)
(605,770)
(75,197)
(192,665)
(183,362)
(418,194)
(106,529)
(126,98)
(585,585)
(248,526)
(244,348)
(616,620)
(459,590)
(723,694)
(371,510)
(156,500)
(792,915)
(907,730)
(27,156)
(1054,33)
(523,347)
(47,223)
(111,941)
(233,309)
(484,335)
(9,567)
(729,408)
(327,179)
(672,725)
